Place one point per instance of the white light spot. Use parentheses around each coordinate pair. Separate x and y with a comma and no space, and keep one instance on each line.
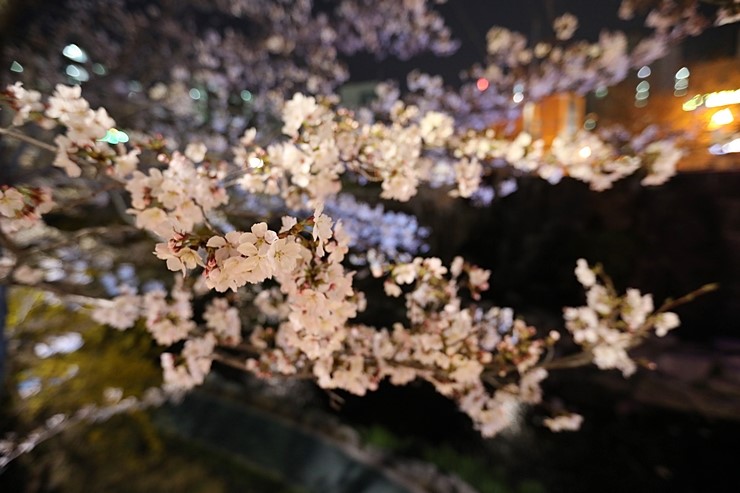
(644,72)
(255,162)
(585,152)
(728,148)
(75,53)
(63,344)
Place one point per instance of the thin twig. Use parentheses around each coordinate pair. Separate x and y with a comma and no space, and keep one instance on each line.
(573,361)
(66,291)
(85,200)
(671,304)
(29,140)
(249,348)
(230,361)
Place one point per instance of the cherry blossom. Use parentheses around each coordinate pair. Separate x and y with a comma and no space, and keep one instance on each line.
(262,214)
(11,202)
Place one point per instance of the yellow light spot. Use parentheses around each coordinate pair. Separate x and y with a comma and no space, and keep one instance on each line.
(721,118)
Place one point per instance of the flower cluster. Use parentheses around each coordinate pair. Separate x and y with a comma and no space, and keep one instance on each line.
(611,324)
(175,199)
(25,202)
(197,358)
(121,312)
(240,258)
(192,209)
(482,358)
(415,148)
(84,126)
(448,344)
(24,102)
(388,27)
(207,81)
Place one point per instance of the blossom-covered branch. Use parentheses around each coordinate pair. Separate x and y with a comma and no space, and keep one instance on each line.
(256,226)
(484,359)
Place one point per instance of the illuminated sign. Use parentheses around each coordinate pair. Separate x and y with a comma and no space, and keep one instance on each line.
(722,98)
(713,100)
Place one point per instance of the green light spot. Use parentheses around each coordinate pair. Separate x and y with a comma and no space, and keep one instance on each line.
(114,136)
(78,73)
(194,94)
(16,67)
(681,84)
(98,69)
(246,95)
(693,103)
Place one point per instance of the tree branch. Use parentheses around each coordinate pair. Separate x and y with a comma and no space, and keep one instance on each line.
(27,139)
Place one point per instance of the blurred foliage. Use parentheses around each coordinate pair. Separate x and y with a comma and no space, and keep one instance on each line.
(473,469)
(108,358)
(478,473)
(125,454)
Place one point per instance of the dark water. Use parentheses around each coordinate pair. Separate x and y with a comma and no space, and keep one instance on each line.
(624,446)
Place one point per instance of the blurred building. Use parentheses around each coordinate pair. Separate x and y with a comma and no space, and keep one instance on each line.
(691,94)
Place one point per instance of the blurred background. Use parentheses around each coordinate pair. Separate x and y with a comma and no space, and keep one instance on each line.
(674,428)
